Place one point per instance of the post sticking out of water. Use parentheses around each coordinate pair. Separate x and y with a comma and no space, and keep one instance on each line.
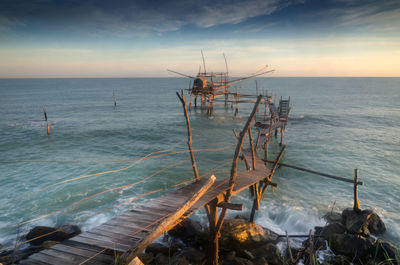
(115,100)
(44,113)
(185,111)
(48,128)
(357,207)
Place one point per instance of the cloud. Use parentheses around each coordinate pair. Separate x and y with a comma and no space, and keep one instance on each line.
(138,16)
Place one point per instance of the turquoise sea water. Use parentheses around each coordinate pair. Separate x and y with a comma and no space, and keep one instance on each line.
(335,126)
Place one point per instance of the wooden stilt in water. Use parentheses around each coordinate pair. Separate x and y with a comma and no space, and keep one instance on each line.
(266,146)
(256,202)
(48,128)
(194,165)
(282,133)
(115,100)
(195,102)
(190,102)
(356,207)
(44,113)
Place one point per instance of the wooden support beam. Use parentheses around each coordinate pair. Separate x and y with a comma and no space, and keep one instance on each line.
(253,152)
(316,172)
(356,207)
(231,206)
(194,165)
(136,261)
(168,222)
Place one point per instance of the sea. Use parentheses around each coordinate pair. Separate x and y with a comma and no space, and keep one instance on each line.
(100,160)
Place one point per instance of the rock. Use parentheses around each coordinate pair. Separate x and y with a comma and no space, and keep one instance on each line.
(230,256)
(237,261)
(270,252)
(339,260)
(241,234)
(365,223)
(193,255)
(187,230)
(333,217)
(179,260)
(332,228)
(261,261)
(48,244)
(54,234)
(161,259)
(384,250)
(243,253)
(146,258)
(156,248)
(351,245)
(318,230)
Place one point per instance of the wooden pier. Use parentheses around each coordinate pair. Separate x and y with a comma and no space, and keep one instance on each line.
(124,237)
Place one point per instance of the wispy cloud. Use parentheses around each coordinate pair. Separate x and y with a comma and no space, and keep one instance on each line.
(125,17)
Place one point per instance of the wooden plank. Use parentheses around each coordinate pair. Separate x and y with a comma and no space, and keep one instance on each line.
(114,236)
(46,259)
(70,258)
(103,244)
(199,188)
(122,229)
(124,241)
(94,255)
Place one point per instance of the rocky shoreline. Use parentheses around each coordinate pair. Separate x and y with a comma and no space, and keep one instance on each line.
(347,238)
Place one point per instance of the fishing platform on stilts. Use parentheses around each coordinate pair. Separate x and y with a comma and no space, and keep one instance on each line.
(125,236)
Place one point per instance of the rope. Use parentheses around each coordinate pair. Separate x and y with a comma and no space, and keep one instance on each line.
(94,195)
(108,209)
(119,170)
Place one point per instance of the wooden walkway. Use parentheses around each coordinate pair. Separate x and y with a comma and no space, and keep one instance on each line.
(129,230)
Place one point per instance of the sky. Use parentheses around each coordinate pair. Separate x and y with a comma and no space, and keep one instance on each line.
(139,38)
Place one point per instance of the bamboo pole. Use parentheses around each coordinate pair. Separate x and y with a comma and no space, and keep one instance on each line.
(194,165)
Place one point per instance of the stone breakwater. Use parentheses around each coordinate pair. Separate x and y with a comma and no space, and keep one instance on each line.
(347,238)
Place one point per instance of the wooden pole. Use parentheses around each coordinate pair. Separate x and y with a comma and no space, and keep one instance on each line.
(253,153)
(48,128)
(317,173)
(311,248)
(356,207)
(44,113)
(232,179)
(282,133)
(266,147)
(194,165)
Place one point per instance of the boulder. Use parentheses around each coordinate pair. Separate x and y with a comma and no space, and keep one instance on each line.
(237,261)
(333,217)
(146,258)
(246,254)
(385,250)
(193,255)
(179,260)
(270,252)
(156,248)
(351,245)
(332,228)
(364,223)
(161,259)
(187,230)
(46,233)
(339,260)
(241,234)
